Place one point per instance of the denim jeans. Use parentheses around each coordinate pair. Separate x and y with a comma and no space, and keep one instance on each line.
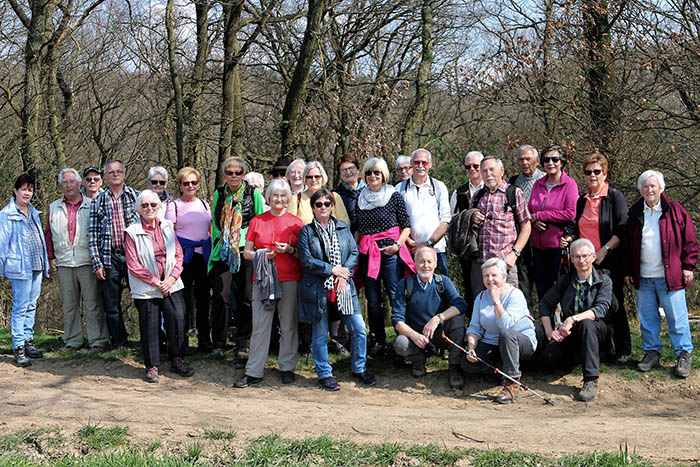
(652,292)
(389,272)
(25,294)
(358,344)
(442,263)
(112,288)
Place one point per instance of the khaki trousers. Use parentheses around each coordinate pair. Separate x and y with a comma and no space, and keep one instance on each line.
(74,283)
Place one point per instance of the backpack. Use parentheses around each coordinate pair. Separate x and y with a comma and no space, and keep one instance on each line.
(511,201)
(462,236)
(411,280)
(404,189)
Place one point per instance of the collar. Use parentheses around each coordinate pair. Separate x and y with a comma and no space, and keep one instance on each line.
(151,228)
(652,210)
(476,187)
(424,284)
(412,183)
(73,204)
(501,187)
(360,185)
(603,193)
(588,280)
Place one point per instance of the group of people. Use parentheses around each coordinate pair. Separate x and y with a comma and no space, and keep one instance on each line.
(298,255)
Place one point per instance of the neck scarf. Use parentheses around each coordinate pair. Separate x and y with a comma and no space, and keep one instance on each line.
(331,246)
(231,221)
(375,199)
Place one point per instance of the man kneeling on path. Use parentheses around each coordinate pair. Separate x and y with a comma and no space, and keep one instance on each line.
(425,305)
(585,296)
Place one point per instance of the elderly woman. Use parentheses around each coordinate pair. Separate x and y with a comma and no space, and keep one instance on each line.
(23,260)
(192,218)
(235,204)
(158,181)
(295,176)
(501,329)
(258,181)
(350,186)
(552,206)
(271,246)
(154,259)
(601,217)
(383,224)
(316,178)
(404,168)
(661,252)
(328,255)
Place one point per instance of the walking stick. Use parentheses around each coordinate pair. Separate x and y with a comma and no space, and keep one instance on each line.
(496,370)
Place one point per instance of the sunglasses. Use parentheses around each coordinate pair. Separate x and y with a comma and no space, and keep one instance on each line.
(322,204)
(314,177)
(237,173)
(158,182)
(419,163)
(92,179)
(471,166)
(594,171)
(190,183)
(554,159)
(376,173)
(147,205)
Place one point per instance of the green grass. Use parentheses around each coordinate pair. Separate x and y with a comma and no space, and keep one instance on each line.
(217,434)
(96,437)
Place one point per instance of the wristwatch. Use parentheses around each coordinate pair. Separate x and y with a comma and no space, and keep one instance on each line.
(573,318)
(430,242)
(517,252)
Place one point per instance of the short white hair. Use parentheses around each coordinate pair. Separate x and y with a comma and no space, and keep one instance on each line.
(425,247)
(651,173)
(478,154)
(379,164)
(114,161)
(580,243)
(499,263)
(157,170)
(418,151)
(255,179)
(527,147)
(301,162)
(68,170)
(276,186)
(499,162)
(144,196)
(402,159)
(316,165)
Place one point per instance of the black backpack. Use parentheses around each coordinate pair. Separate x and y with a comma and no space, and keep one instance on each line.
(511,201)
(411,282)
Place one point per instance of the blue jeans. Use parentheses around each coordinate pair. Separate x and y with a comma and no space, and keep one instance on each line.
(25,294)
(112,288)
(389,272)
(358,344)
(442,263)
(652,292)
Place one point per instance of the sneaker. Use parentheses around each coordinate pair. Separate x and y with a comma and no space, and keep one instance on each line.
(246,381)
(418,370)
(588,391)
(454,375)
(650,360)
(288,377)
(329,384)
(622,359)
(217,353)
(21,357)
(31,350)
(508,393)
(243,353)
(181,368)
(683,365)
(152,375)
(97,349)
(68,349)
(338,349)
(365,378)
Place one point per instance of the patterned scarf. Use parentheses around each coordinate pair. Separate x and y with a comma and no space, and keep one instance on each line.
(332,249)
(231,220)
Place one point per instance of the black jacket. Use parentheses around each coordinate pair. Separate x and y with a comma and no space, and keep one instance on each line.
(598,300)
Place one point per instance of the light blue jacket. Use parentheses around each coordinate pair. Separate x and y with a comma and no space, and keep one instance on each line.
(15,257)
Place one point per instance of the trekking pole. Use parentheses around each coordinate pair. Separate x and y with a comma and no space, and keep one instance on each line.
(496,370)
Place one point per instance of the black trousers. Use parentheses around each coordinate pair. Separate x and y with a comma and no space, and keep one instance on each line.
(173,309)
(466,265)
(526,273)
(226,286)
(546,273)
(583,345)
(194,277)
(621,326)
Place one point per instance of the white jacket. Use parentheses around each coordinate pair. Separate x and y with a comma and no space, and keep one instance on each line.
(76,254)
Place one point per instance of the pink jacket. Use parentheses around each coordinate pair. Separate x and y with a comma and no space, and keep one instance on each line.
(555,208)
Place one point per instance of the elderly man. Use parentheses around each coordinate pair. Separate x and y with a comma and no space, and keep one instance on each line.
(504,219)
(425,305)
(404,169)
(585,296)
(69,250)
(527,158)
(661,253)
(428,206)
(92,183)
(111,212)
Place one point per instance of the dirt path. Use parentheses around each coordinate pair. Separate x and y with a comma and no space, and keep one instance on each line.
(657,416)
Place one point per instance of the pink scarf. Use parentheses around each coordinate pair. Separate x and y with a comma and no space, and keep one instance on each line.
(368,246)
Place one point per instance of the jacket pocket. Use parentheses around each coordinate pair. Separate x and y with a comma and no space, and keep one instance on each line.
(13,264)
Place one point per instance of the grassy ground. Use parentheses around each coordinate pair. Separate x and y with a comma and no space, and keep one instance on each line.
(111,446)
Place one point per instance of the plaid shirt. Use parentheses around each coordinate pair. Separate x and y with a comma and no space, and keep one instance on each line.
(101,224)
(36,246)
(498,234)
(582,294)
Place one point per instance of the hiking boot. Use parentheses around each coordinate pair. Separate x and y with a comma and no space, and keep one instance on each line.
(418,370)
(329,384)
(69,349)
(151,375)
(588,391)
(217,353)
(97,349)
(21,357)
(683,365)
(288,377)
(337,348)
(31,350)
(246,381)
(181,368)
(365,378)
(454,375)
(622,359)
(509,393)
(650,360)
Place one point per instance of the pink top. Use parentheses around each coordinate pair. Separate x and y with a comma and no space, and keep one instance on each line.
(555,208)
(588,224)
(368,246)
(134,262)
(192,219)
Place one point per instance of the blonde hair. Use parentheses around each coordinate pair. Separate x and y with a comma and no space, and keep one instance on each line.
(184,172)
(379,163)
(234,161)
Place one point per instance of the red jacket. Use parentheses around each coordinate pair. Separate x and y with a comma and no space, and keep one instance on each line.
(679,247)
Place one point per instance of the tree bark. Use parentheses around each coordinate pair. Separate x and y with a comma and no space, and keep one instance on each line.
(175,82)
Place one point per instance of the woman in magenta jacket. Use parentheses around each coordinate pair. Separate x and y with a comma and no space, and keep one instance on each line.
(552,206)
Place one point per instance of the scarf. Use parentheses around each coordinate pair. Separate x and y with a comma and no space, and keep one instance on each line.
(231,221)
(375,199)
(329,238)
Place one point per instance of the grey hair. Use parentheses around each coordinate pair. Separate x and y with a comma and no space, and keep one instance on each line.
(254,178)
(499,263)
(651,173)
(419,150)
(292,164)
(275,186)
(527,147)
(479,154)
(581,242)
(143,196)
(157,170)
(425,247)
(319,166)
(402,159)
(65,171)
(114,161)
(499,162)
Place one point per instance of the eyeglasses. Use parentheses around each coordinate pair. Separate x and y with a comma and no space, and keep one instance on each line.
(322,204)
(419,163)
(554,159)
(190,183)
(237,173)
(115,172)
(581,257)
(158,182)
(471,166)
(404,169)
(147,205)
(349,170)
(92,179)
(314,177)
(69,181)
(376,173)
(594,171)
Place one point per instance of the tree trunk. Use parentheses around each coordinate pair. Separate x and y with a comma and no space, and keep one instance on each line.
(177,86)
